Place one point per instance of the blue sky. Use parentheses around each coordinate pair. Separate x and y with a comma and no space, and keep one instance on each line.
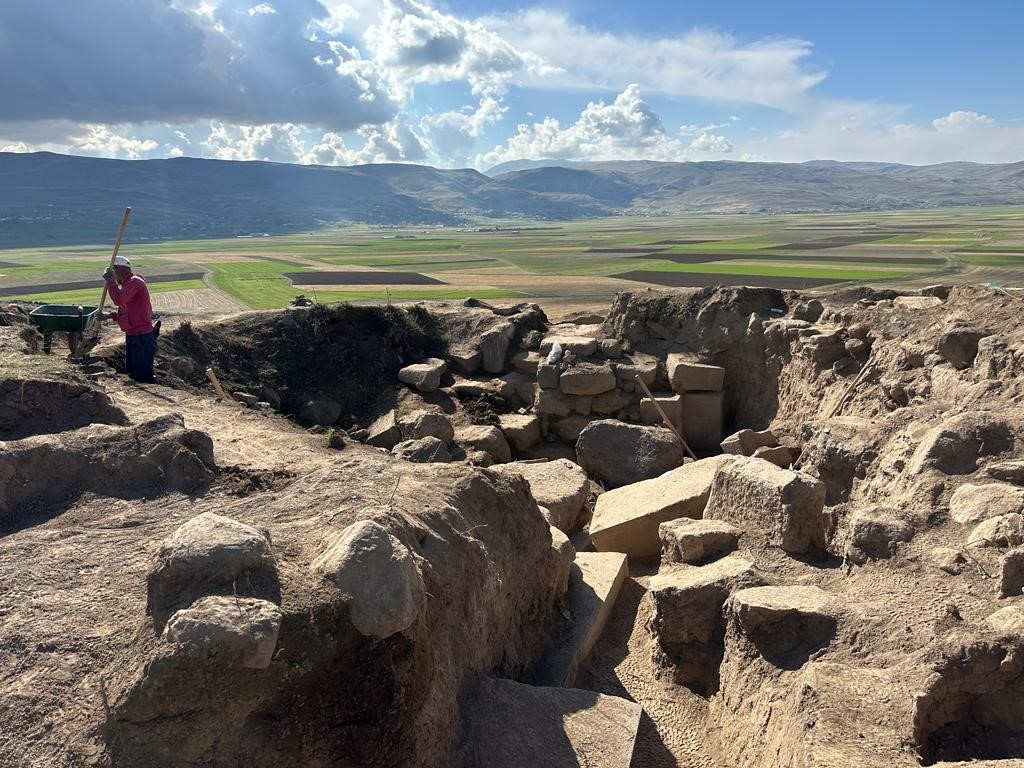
(467,83)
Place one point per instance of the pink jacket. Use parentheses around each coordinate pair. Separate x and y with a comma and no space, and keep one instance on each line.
(135,313)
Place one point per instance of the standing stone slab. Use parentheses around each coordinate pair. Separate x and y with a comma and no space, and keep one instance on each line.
(672,405)
(687,375)
(626,519)
(784,505)
(594,583)
(703,416)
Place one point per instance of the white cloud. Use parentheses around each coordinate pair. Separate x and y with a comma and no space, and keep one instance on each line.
(19,146)
(625,129)
(959,120)
(452,134)
(708,142)
(102,141)
(263,9)
(702,63)
(691,129)
(280,143)
(417,43)
(391,143)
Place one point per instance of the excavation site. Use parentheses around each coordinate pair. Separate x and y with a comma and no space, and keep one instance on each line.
(717,527)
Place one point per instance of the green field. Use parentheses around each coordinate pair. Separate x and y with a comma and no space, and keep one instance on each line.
(579,262)
(92,295)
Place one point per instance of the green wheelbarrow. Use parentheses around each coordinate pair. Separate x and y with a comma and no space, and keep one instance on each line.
(73,320)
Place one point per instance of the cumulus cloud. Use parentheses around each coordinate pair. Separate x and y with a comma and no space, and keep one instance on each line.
(708,142)
(960,120)
(419,44)
(19,146)
(452,134)
(101,141)
(702,63)
(391,143)
(110,62)
(625,129)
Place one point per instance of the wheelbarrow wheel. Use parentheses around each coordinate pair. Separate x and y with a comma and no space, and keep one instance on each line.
(74,340)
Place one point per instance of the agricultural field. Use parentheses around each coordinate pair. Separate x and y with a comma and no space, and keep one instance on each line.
(575,264)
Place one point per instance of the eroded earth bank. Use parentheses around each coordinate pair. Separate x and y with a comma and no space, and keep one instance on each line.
(453,535)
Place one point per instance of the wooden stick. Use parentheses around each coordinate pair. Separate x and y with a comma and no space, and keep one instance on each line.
(117,247)
(216,383)
(665,418)
(839,406)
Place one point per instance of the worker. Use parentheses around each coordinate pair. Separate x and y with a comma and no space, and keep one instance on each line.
(134,315)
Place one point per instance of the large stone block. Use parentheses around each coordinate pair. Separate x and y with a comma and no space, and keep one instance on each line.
(672,405)
(784,505)
(583,346)
(490,440)
(702,420)
(687,375)
(638,365)
(619,454)
(626,519)
(972,503)
(425,376)
(521,430)
(587,379)
(494,346)
(747,441)
(560,485)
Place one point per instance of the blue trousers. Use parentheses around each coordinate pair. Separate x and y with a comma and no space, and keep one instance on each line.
(139,353)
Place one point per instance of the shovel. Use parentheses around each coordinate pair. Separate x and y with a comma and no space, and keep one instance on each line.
(91,334)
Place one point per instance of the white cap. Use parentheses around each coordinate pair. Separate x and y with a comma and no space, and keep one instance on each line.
(121,261)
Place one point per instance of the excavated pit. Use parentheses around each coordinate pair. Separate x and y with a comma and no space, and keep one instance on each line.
(842,595)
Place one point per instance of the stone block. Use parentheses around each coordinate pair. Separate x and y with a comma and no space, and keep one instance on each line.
(233,630)
(638,364)
(595,580)
(610,402)
(560,485)
(551,402)
(687,375)
(696,541)
(747,441)
(626,519)
(784,505)
(548,375)
(465,361)
(971,503)
(425,376)
(874,535)
(583,346)
(786,624)
(779,455)
(1012,573)
(385,431)
(425,450)
(522,431)
(587,379)
(494,346)
(526,362)
(490,440)
(610,348)
(1001,531)
(672,405)
(702,420)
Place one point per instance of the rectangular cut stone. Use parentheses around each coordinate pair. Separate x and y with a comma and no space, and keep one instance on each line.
(594,582)
(584,346)
(672,405)
(783,505)
(626,519)
(702,420)
(637,364)
(505,724)
(687,375)
(547,376)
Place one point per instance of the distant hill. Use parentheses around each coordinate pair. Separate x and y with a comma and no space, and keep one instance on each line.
(49,198)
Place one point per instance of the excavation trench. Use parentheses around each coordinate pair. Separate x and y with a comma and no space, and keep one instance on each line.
(826,586)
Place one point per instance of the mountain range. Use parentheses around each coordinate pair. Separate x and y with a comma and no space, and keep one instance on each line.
(47,198)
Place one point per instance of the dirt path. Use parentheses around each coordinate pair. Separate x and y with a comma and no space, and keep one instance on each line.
(672,729)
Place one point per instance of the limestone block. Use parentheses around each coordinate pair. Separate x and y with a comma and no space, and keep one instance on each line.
(687,375)
(626,519)
(583,346)
(702,420)
(587,379)
(378,577)
(487,439)
(569,428)
(1012,573)
(784,505)
(747,441)
(696,541)
(637,364)
(232,630)
(551,402)
(465,361)
(619,454)
(526,362)
(522,431)
(785,623)
(385,431)
(494,346)
(874,535)
(548,375)
(672,405)
(425,376)
(1007,621)
(612,401)
(972,503)
(560,485)
(1001,531)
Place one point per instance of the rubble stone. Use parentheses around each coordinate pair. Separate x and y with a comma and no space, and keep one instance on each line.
(487,439)
(522,431)
(874,534)
(425,450)
(619,454)
(560,485)
(959,346)
(587,379)
(431,424)
(425,376)
(377,576)
(233,630)
(972,503)
(1012,573)
(1001,531)
(746,441)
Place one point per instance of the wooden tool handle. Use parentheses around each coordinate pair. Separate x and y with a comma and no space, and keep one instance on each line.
(216,383)
(117,247)
(665,418)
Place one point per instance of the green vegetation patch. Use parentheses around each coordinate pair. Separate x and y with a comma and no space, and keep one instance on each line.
(91,296)
(841,274)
